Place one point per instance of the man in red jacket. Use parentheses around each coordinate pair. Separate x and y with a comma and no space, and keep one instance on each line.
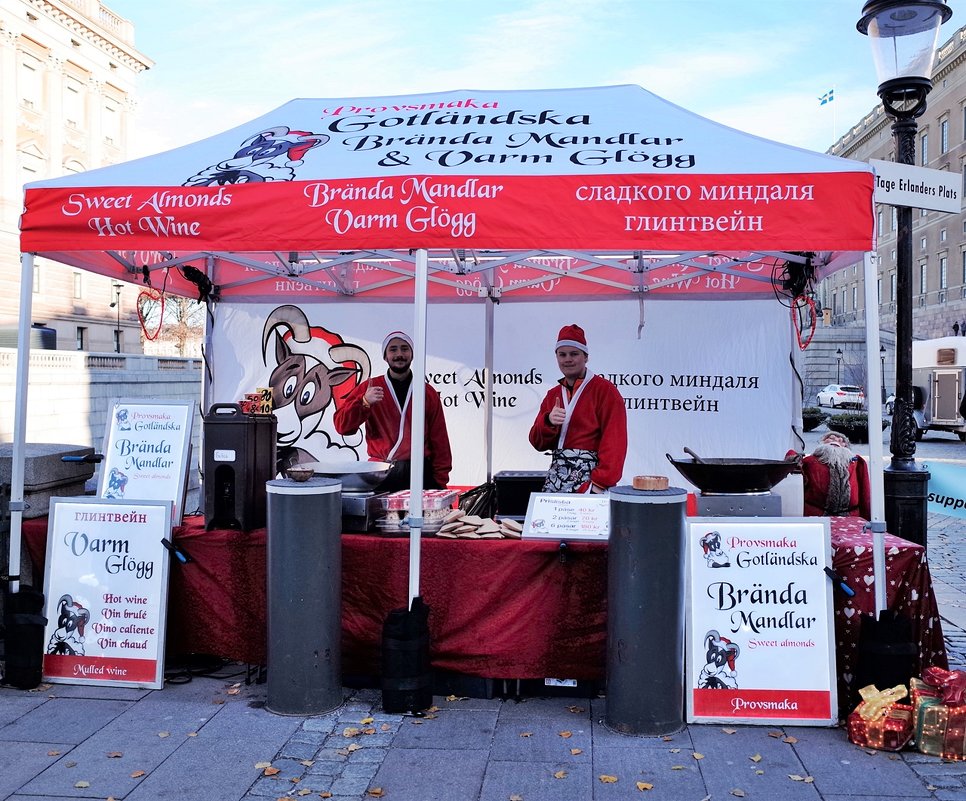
(582,421)
(383,405)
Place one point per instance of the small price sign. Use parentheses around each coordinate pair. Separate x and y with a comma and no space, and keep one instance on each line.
(565,516)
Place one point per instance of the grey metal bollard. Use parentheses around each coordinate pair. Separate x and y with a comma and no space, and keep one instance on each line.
(645,611)
(304,596)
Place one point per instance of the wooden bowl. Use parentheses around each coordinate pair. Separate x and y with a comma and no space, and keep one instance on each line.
(300,473)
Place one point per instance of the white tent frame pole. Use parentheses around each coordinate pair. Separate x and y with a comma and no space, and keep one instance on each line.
(418,433)
(19,454)
(489,325)
(873,367)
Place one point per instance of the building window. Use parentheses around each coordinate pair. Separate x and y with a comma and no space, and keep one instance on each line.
(924,149)
(942,272)
(31,82)
(895,218)
(922,278)
(892,287)
(942,234)
(878,290)
(922,243)
(37,279)
(879,220)
(944,136)
(843,301)
(81,338)
(855,298)
(77,286)
(964,267)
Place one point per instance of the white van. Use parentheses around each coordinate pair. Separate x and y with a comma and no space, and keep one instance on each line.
(939,385)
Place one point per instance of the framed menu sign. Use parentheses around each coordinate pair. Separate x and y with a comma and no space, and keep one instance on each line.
(105,587)
(146,452)
(567,516)
(760,640)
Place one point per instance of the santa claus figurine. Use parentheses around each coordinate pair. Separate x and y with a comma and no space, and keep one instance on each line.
(836,480)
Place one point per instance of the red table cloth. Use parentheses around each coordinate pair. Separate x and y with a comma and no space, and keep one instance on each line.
(499,608)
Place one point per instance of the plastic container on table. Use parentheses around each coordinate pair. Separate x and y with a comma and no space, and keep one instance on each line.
(436,505)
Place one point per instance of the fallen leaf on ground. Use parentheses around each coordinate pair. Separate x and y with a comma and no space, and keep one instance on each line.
(789,740)
(526,734)
(576,751)
(809,780)
(70,764)
(566,734)
(430,716)
(737,791)
(271,772)
(303,792)
(262,765)
(137,774)
(755,758)
(696,755)
(759,773)
(677,767)
(775,734)
(375,792)
(516,798)
(296,780)
(233,691)
(307,762)
(192,734)
(607,779)
(730,731)
(575,709)
(675,750)
(325,794)
(385,727)
(871,751)
(456,697)
(351,731)
(366,721)
(667,738)
(642,786)
(931,788)
(218,701)
(53,753)
(82,784)
(285,798)
(114,754)
(433,709)
(795,777)
(369,730)
(163,734)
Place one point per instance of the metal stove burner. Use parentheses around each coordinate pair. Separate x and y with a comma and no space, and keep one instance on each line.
(360,510)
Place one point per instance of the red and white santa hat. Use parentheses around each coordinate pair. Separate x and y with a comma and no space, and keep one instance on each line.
(572,336)
(396,335)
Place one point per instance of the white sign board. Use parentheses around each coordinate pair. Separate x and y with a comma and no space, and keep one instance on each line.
(760,641)
(916,187)
(105,585)
(567,516)
(146,452)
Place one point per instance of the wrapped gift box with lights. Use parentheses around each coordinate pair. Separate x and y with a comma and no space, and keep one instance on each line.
(939,704)
(880,721)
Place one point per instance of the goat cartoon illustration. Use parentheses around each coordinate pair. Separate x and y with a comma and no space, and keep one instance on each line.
(719,670)
(269,155)
(302,382)
(68,638)
(714,554)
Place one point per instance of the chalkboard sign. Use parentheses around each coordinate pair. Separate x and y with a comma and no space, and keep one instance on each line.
(760,637)
(147,450)
(105,585)
(567,516)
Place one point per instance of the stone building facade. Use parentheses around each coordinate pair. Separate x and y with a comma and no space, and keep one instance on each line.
(939,238)
(67,95)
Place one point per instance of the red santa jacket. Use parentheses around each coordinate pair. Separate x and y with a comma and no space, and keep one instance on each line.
(598,422)
(383,420)
(816,478)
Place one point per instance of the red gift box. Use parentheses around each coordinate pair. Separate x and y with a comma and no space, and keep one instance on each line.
(879,721)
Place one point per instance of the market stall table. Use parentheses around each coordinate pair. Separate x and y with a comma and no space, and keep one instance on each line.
(500,608)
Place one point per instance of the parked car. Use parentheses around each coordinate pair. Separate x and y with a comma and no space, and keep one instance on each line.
(842,395)
(890,403)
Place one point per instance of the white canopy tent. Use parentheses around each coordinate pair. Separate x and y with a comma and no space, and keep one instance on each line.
(612,191)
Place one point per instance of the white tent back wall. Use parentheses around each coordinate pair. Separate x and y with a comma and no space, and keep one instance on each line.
(711,376)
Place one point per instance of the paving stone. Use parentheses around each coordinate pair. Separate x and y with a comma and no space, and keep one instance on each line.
(63,720)
(15,703)
(535,781)
(432,774)
(674,776)
(294,749)
(540,740)
(354,786)
(20,763)
(469,730)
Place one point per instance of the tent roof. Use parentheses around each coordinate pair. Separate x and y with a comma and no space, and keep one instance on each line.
(606,189)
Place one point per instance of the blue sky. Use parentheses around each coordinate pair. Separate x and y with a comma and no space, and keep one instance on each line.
(756,65)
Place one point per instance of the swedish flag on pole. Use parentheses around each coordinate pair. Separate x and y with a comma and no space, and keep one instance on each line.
(827,98)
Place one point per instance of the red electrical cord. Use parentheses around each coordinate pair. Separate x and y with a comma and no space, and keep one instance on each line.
(150,295)
(804,318)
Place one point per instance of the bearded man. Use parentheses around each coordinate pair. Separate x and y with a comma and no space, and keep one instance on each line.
(836,480)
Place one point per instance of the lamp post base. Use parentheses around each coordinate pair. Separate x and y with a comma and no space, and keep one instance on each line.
(905,503)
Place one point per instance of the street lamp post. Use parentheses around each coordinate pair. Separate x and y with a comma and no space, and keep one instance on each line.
(838,366)
(904,35)
(882,353)
(116,304)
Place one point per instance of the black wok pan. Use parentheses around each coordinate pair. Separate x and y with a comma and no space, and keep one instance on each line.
(731,476)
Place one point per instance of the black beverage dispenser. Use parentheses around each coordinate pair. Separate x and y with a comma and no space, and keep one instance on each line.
(240,453)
